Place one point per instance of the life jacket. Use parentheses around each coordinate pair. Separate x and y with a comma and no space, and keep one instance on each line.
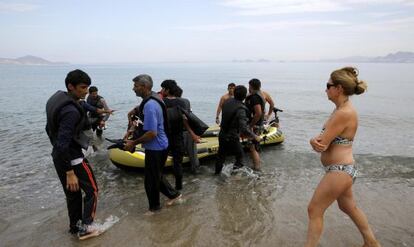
(262,106)
(139,131)
(96,103)
(229,112)
(53,108)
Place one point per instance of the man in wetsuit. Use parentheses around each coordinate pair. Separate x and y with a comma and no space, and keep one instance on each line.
(190,138)
(152,135)
(255,103)
(97,119)
(176,125)
(66,123)
(234,122)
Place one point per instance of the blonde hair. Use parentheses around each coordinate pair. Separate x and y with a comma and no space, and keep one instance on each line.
(347,77)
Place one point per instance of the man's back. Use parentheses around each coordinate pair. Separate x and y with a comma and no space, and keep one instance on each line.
(234,118)
(175,116)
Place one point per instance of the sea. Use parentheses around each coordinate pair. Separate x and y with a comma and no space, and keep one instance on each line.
(245,209)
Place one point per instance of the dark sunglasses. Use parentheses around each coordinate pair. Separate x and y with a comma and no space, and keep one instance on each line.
(329,85)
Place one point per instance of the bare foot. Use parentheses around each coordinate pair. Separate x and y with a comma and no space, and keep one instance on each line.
(152,212)
(149,213)
(372,244)
(257,169)
(174,200)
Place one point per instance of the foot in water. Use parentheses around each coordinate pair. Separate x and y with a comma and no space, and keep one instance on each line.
(88,231)
(257,169)
(151,212)
(174,200)
(372,244)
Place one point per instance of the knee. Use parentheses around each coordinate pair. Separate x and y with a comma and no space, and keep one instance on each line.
(314,211)
(347,208)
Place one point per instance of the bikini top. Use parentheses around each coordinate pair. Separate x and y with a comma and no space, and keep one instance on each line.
(340,140)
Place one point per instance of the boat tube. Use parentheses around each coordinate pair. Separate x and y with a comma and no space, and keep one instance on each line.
(206,148)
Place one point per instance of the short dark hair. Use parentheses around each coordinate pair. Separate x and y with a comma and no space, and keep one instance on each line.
(168,84)
(240,92)
(93,89)
(178,92)
(255,84)
(77,77)
(231,85)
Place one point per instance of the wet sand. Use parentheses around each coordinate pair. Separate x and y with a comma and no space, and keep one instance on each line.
(241,210)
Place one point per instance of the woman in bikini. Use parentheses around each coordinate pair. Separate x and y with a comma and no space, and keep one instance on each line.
(335,145)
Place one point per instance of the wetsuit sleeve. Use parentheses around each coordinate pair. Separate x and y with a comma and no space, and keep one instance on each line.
(187,104)
(243,123)
(68,118)
(88,107)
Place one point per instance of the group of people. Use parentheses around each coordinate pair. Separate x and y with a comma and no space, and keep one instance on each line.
(242,116)
(150,126)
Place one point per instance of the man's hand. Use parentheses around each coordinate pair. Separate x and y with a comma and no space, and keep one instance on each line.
(196,138)
(109,111)
(129,146)
(72,183)
(128,134)
(258,138)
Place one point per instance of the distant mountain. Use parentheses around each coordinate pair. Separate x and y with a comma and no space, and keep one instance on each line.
(398,57)
(28,60)
(262,60)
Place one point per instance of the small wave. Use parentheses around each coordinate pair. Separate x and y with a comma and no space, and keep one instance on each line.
(109,222)
(228,170)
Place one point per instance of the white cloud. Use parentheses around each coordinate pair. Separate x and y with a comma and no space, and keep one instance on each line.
(270,7)
(262,25)
(403,25)
(17,7)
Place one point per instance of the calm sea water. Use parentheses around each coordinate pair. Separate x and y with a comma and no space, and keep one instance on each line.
(238,211)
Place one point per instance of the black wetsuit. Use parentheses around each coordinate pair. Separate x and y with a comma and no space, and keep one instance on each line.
(234,122)
(189,144)
(66,120)
(94,117)
(251,101)
(175,137)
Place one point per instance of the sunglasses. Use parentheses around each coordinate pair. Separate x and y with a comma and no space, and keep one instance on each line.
(329,85)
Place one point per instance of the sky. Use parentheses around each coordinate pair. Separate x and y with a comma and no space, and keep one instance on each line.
(92,31)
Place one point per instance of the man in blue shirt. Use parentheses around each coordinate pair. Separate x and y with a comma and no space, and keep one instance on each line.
(152,135)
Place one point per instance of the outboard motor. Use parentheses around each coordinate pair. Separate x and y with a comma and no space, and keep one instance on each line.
(275,121)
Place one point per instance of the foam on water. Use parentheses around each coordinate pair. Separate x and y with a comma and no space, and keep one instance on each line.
(108,223)
(228,170)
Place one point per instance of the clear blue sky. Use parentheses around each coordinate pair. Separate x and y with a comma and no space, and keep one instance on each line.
(91,31)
